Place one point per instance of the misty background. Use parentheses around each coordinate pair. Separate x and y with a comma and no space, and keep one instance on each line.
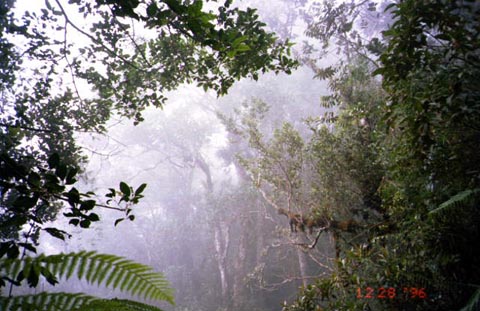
(348,182)
(201,216)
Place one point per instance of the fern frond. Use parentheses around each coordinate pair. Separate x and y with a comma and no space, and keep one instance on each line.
(126,275)
(70,302)
(117,305)
(474,302)
(457,200)
(45,302)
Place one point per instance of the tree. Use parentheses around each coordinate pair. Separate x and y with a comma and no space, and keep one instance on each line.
(428,70)
(424,137)
(328,181)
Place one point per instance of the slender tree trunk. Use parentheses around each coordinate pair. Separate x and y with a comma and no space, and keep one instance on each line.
(302,264)
(222,240)
(221,229)
(238,288)
(259,237)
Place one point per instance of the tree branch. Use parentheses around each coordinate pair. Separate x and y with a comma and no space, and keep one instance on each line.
(109,50)
(5,125)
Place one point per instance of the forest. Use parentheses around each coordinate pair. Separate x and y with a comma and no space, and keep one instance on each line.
(220,155)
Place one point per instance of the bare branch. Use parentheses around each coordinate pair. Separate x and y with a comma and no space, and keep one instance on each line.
(306,246)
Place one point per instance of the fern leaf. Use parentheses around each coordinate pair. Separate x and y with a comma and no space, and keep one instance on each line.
(126,275)
(456,200)
(474,302)
(117,305)
(27,266)
(119,277)
(69,301)
(55,264)
(45,302)
(103,271)
(126,281)
(71,267)
(84,262)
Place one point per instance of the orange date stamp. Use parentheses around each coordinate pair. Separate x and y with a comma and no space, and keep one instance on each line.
(391,293)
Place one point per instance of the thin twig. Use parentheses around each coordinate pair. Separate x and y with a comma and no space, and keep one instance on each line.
(68,61)
(67,19)
(137,47)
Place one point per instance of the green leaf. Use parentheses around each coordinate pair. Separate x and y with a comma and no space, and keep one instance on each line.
(473,303)
(59,234)
(197,5)
(70,301)
(53,160)
(74,222)
(239,40)
(390,6)
(93,217)
(152,9)
(70,179)
(140,189)
(119,220)
(61,171)
(135,278)
(48,5)
(73,197)
(125,189)
(34,179)
(47,274)
(243,48)
(85,223)
(25,203)
(456,200)
(28,246)
(111,194)
(87,205)
(175,6)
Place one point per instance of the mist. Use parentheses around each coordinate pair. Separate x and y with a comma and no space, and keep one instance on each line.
(318,174)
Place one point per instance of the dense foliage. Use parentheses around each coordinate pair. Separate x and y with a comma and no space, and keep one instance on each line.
(413,152)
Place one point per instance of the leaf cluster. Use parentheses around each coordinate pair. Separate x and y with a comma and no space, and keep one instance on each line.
(30,193)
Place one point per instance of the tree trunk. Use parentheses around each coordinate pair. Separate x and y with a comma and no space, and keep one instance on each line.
(222,240)
(221,229)
(238,291)
(302,264)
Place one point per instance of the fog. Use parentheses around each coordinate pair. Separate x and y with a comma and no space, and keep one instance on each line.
(200,220)
(300,191)
(174,226)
